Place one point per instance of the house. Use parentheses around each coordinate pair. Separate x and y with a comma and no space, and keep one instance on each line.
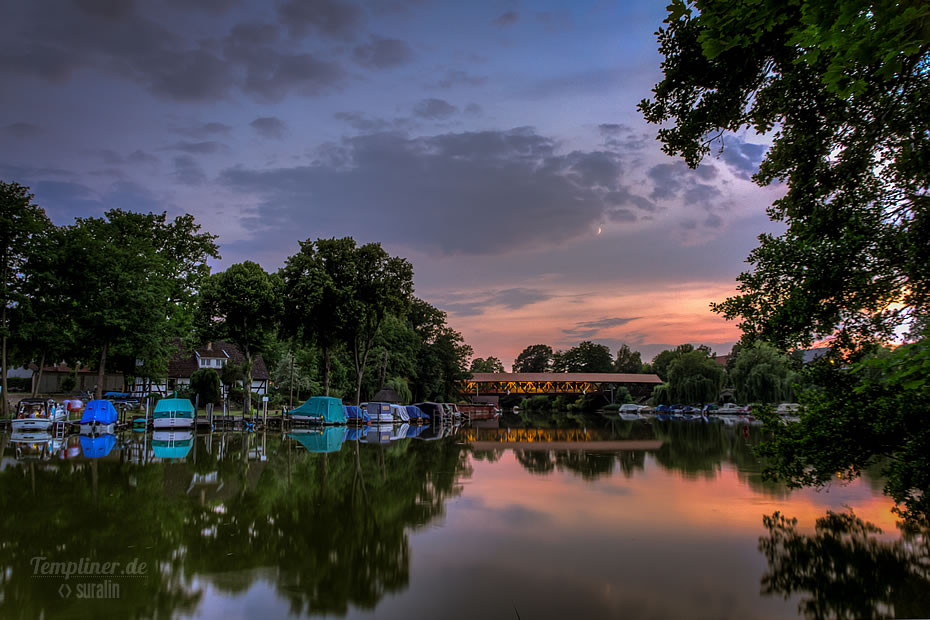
(214,355)
(51,377)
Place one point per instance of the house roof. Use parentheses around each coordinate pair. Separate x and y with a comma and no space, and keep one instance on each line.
(183,364)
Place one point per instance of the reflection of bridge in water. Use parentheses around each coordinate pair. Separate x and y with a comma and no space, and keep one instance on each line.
(551,439)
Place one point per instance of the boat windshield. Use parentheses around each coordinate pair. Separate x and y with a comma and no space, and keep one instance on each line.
(32,410)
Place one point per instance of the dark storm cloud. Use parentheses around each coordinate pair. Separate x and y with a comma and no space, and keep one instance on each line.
(281,74)
(215,7)
(187,171)
(141,157)
(203,130)
(367,124)
(742,157)
(606,323)
(473,109)
(269,127)
(622,137)
(64,201)
(331,18)
(107,9)
(479,302)
(507,19)
(623,197)
(677,181)
(22,131)
(381,53)
(485,192)
(207,147)
(590,329)
(455,77)
(434,109)
(148,48)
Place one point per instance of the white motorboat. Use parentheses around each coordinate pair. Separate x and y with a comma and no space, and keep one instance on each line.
(38,414)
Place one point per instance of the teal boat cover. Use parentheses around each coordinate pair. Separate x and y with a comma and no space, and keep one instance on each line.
(327,440)
(99,412)
(181,407)
(327,408)
(172,449)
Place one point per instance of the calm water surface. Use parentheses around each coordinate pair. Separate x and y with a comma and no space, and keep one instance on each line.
(596,518)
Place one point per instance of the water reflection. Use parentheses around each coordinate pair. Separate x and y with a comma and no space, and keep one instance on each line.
(845,570)
(333,522)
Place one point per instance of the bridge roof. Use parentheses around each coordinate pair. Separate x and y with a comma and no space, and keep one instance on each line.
(590,377)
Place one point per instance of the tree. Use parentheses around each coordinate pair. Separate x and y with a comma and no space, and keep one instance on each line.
(115,280)
(442,356)
(844,86)
(491,364)
(627,360)
(290,376)
(383,286)
(243,305)
(205,383)
(318,287)
(21,222)
(662,361)
(534,358)
(763,374)
(586,357)
(695,378)
(874,412)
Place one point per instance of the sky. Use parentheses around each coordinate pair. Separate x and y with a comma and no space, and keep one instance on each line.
(495,145)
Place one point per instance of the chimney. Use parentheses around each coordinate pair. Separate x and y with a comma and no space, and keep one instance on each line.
(209,346)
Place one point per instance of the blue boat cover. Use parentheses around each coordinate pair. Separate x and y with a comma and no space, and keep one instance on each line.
(100,412)
(354,414)
(327,408)
(97,446)
(327,440)
(415,414)
(414,430)
(356,433)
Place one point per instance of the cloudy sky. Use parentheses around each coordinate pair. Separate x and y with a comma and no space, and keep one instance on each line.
(496,145)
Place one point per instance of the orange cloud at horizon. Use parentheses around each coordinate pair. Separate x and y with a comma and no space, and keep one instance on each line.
(666,316)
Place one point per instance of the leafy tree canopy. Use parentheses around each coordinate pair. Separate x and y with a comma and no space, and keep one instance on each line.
(841,88)
(586,357)
(628,360)
(762,373)
(534,358)
(491,364)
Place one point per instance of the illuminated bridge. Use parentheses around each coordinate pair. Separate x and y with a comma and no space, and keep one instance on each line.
(529,383)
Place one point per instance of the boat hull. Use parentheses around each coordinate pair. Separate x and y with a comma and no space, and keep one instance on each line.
(32,424)
(98,429)
(173,422)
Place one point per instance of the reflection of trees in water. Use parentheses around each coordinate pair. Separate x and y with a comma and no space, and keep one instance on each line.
(844,570)
(590,465)
(328,530)
(64,521)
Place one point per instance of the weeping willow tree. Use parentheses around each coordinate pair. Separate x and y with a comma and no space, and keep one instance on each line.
(695,377)
(762,373)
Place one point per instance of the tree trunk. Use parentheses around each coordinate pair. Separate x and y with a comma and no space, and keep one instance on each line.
(291,400)
(247,401)
(326,356)
(38,381)
(360,369)
(101,371)
(384,368)
(4,408)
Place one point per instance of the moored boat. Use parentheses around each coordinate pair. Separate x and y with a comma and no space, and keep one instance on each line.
(38,414)
(380,413)
(173,413)
(174,444)
(99,418)
(319,410)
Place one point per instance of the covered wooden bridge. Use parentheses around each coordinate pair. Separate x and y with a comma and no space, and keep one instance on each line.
(529,383)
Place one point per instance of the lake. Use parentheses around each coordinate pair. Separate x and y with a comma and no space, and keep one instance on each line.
(538,517)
